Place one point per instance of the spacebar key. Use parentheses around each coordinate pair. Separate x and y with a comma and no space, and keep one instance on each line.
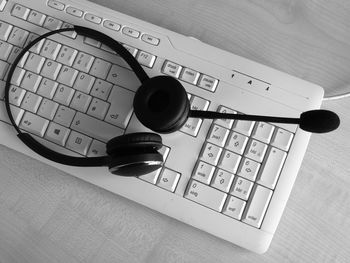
(95,128)
(205,195)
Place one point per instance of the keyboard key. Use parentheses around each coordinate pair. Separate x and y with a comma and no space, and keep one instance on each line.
(234,207)
(3,68)
(17,113)
(97,149)
(92,42)
(210,153)
(36,18)
(198,103)
(242,188)
(67,76)
(31,102)
(34,124)
(95,128)
(229,161)
(203,172)
(2,89)
(5,50)
(101,89)
(14,54)
(17,76)
(244,127)
(171,69)
(55,4)
(208,83)
(74,11)
(83,62)
(18,37)
(271,168)
(168,180)
(249,169)
(63,95)
(50,49)
(121,108)
(93,18)
(151,177)
(78,142)
(263,132)
(16,95)
(50,69)
(282,139)
(150,39)
(37,47)
(98,108)
(132,50)
(146,59)
(257,206)
(124,78)
(84,83)
(52,23)
(256,150)
(47,88)
(192,126)
(190,76)
(222,180)
(5,30)
(2,4)
(20,11)
(64,115)
(218,135)
(237,142)
(67,56)
(80,101)
(57,134)
(34,63)
(205,195)
(100,68)
(47,109)
(225,122)
(110,50)
(71,34)
(131,32)
(111,25)
(164,151)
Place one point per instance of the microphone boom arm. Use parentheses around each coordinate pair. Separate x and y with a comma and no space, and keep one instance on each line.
(245,117)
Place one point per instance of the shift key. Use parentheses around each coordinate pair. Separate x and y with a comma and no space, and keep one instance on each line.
(95,128)
(205,195)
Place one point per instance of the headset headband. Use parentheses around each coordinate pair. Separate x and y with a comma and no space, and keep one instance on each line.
(28,139)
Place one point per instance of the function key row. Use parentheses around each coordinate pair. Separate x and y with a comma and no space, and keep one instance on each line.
(144,58)
(128,31)
(190,76)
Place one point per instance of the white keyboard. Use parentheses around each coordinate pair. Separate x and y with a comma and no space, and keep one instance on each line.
(229,178)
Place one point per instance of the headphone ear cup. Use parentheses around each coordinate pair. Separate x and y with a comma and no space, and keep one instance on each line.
(134,154)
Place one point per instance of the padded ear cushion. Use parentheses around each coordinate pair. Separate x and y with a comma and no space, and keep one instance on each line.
(161,104)
(134,141)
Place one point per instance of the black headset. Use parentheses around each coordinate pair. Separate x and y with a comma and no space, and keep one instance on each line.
(161,104)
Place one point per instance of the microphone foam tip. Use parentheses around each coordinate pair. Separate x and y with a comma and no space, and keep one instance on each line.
(319,121)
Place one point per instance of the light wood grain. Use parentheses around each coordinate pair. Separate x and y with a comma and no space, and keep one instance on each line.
(49,216)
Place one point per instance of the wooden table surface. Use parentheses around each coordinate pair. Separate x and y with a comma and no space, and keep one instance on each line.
(49,216)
